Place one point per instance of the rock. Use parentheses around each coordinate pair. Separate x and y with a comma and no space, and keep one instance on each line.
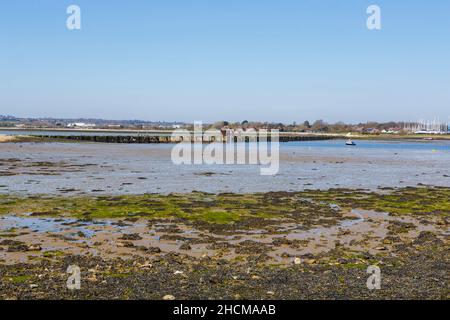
(297,261)
(131,236)
(168,297)
(122,224)
(335,207)
(92,278)
(34,247)
(185,246)
(153,250)
(18,248)
(381,248)
(178,272)
(128,244)
(146,265)
(427,237)
(270,293)
(33,286)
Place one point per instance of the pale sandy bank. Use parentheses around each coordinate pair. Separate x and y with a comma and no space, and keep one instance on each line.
(5,138)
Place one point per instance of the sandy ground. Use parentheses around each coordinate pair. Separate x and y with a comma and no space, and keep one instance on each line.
(5,138)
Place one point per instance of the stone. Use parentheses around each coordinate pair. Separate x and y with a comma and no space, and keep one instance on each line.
(185,246)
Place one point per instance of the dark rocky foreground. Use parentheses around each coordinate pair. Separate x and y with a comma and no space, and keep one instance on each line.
(421,272)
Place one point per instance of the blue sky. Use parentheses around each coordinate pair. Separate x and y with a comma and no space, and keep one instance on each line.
(284,60)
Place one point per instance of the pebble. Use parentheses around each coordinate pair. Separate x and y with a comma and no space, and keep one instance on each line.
(297,261)
(146,265)
(168,297)
(34,247)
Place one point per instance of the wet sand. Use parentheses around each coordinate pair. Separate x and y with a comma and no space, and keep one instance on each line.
(85,168)
(360,231)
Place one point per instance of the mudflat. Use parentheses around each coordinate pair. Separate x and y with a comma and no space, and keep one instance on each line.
(287,245)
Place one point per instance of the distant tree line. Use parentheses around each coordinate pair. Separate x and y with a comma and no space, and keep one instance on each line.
(305,126)
(316,126)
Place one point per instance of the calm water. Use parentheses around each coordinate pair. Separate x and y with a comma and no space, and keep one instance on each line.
(387,146)
(147,168)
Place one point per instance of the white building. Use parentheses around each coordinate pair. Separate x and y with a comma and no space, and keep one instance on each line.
(80,125)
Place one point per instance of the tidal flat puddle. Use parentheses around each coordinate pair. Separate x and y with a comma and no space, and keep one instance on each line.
(358,230)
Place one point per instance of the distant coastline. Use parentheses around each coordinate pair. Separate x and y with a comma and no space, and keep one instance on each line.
(51,134)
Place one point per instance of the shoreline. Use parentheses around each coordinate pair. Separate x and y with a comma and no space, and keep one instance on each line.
(165,134)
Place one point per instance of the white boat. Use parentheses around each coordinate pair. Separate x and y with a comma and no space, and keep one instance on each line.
(350,142)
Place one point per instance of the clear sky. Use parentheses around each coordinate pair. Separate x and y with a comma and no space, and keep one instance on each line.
(209,60)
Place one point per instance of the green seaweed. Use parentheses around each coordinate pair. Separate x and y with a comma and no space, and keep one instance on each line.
(307,208)
(20,279)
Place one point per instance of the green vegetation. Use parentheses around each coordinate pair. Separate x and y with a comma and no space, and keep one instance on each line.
(409,200)
(218,209)
(53,254)
(308,207)
(20,279)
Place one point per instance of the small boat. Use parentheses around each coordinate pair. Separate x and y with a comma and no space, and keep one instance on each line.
(350,142)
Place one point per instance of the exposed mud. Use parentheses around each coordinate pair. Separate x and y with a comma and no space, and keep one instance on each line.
(276,245)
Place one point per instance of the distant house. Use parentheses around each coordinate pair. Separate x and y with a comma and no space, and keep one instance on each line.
(391,131)
(371,131)
(80,125)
